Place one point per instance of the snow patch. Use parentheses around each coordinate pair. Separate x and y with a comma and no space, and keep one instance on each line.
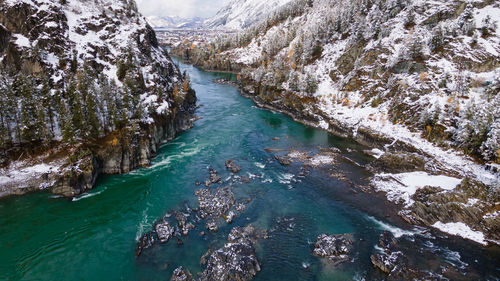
(321,160)
(462,230)
(400,187)
(22,41)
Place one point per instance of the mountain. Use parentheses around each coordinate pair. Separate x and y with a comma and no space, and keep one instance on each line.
(174,22)
(418,80)
(85,89)
(240,14)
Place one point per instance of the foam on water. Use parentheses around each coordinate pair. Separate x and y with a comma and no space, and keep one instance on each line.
(397,232)
(87,195)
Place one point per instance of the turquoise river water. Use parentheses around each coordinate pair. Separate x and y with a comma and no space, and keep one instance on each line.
(94,236)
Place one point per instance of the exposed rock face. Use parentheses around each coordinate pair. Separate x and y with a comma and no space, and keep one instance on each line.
(175,224)
(283,160)
(214,178)
(405,160)
(180,274)
(145,241)
(214,203)
(471,202)
(334,247)
(237,259)
(56,43)
(399,162)
(392,261)
(164,231)
(388,263)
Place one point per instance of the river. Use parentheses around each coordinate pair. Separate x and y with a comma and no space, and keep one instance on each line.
(93,236)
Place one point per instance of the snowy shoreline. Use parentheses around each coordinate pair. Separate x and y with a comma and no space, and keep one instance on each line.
(403,185)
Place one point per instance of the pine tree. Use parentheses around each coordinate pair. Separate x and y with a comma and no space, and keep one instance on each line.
(29,129)
(92,120)
(48,104)
(490,149)
(75,108)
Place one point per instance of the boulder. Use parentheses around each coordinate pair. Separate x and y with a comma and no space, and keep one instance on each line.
(147,240)
(334,247)
(283,160)
(237,259)
(180,274)
(164,231)
(214,203)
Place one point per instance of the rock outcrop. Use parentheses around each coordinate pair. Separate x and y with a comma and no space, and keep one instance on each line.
(237,260)
(471,203)
(336,248)
(96,94)
(180,274)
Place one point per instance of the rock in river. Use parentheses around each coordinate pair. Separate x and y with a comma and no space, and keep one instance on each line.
(214,203)
(164,231)
(180,274)
(334,247)
(147,240)
(237,259)
(233,167)
(213,178)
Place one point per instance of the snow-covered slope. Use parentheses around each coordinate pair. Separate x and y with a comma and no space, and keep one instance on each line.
(419,76)
(240,14)
(174,22)
(76,75)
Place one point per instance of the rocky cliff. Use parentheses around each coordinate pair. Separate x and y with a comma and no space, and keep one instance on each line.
(85,89)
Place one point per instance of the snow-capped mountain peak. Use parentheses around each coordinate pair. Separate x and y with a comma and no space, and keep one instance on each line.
(240,14)
(174,22)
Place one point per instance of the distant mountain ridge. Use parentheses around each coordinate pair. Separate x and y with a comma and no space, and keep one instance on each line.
(240,14)
(174,22)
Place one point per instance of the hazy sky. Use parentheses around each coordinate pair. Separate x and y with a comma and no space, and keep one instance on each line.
(182,8)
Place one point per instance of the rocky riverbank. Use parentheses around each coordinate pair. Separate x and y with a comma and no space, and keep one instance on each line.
(72,170)
(398,154)
(86,90)
(429,117)
(396,256)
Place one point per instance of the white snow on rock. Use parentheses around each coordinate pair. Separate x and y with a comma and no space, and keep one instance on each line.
(22,41)
(400,187)
(40,168)
(377,153)
(240,14)
(321,160)
(163,106)
(462,230)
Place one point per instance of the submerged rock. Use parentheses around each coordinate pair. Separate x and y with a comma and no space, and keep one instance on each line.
(334,247)
(233,167)
(180,274)
(237,259)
